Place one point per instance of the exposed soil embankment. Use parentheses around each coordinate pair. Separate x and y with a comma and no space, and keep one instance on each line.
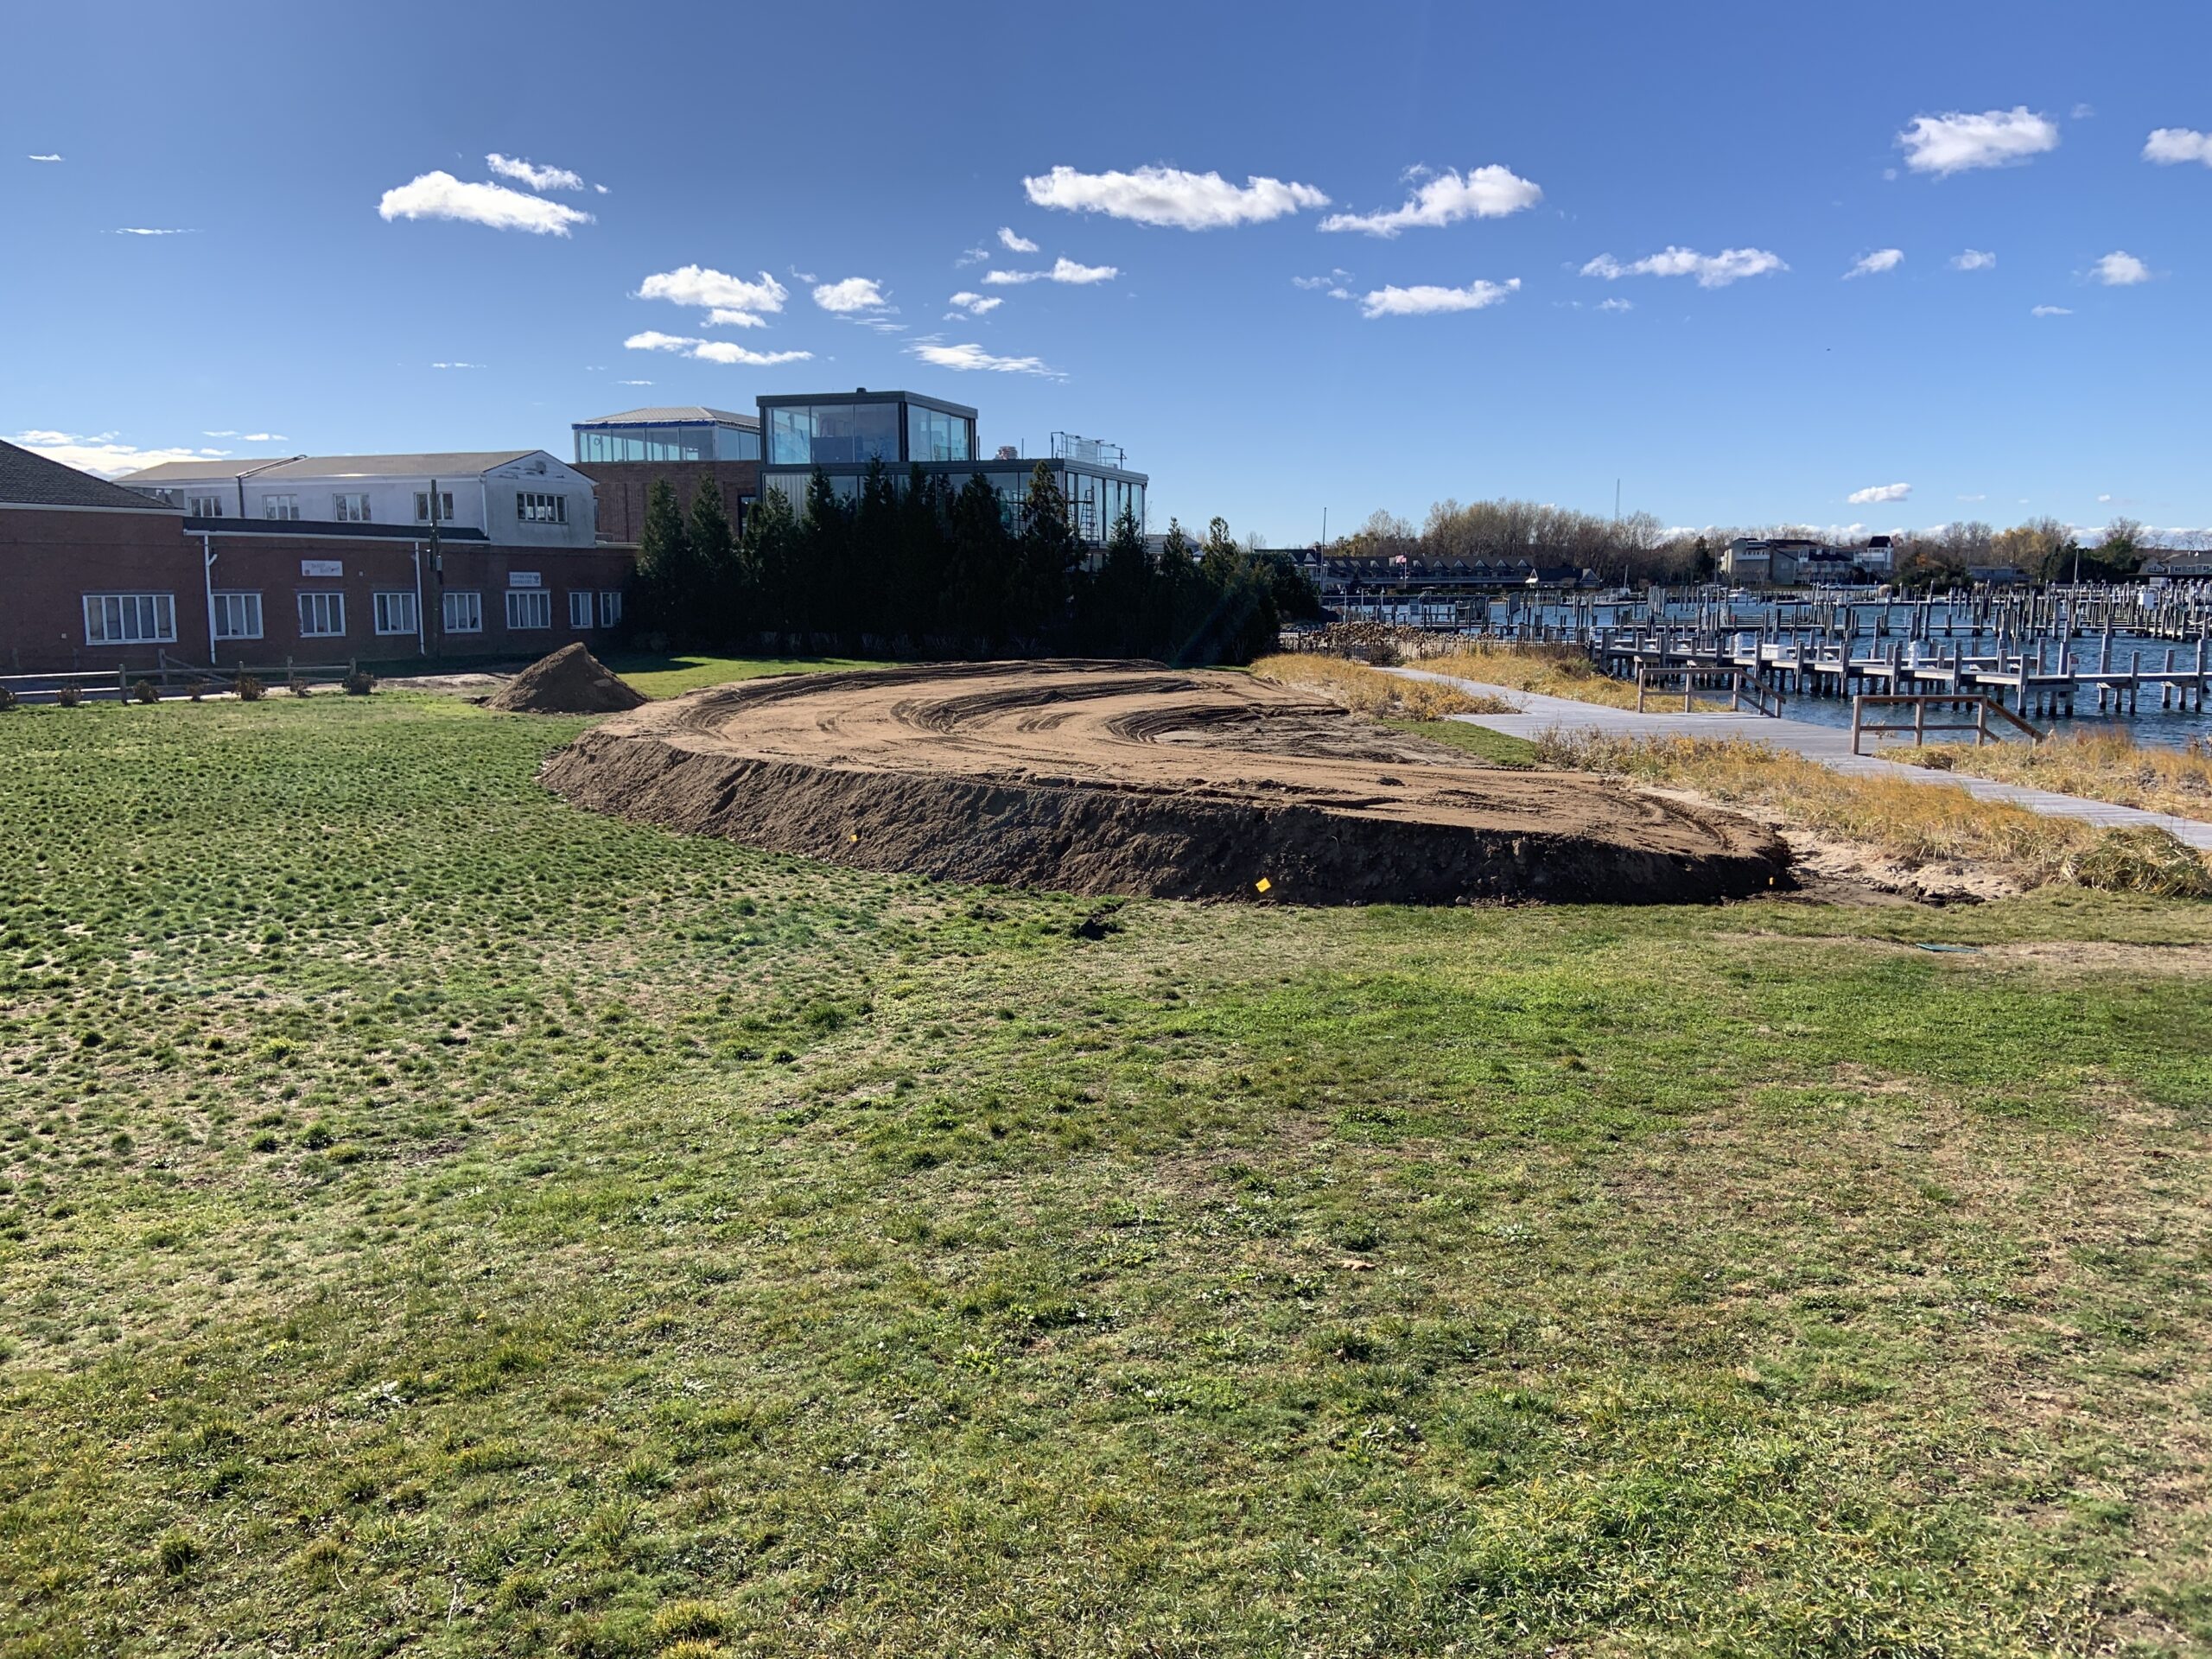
(1125,777)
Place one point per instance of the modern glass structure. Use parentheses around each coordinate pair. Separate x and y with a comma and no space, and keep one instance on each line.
(842,436)
(687,433)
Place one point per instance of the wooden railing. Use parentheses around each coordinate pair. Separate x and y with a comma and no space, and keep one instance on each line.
(1983,709)
(169,674)
(1746,689)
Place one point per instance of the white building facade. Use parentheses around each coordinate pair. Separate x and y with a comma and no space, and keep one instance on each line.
(523,498)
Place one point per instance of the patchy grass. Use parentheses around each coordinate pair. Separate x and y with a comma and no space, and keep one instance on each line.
(2098,766)
(664,675)
(1372,692)
(1496,748)
(1913,822)
(433,1220)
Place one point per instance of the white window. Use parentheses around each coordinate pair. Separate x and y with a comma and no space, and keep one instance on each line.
(396,612)
(579,608)
(610,609)
(528,608)
(464,612)
(238,616)
(130,619)
(204,506)
(350,508)
(541,509)
(322,616)
(423,506)
(280,506)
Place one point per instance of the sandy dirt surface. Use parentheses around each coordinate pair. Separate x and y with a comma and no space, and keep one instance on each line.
(1122,778)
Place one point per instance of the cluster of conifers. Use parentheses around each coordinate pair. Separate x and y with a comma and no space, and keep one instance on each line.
(930,570)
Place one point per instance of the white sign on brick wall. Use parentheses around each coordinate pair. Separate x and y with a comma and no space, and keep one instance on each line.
(322,566)
(522,579)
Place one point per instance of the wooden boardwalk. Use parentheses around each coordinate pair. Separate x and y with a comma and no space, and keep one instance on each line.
(1829,745)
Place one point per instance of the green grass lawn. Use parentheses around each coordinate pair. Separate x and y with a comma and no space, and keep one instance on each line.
(666,676)
(432,1220)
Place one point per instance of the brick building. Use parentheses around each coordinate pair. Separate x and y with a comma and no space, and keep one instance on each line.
(624,453)
(95,575)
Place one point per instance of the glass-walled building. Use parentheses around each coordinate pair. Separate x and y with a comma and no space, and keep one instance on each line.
(688,433)
(841,436)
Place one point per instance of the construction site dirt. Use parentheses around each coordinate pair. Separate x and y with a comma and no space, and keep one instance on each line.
(1120,777)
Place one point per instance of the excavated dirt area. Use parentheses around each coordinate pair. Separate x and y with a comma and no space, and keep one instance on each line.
(570,682)
(1129,777)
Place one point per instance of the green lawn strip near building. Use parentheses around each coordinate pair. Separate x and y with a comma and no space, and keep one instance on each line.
(670,675)
(437,1219)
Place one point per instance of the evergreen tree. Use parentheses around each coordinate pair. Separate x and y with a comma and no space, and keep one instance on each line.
(823,543)
(1049,555)
(923,561)
(1117,594)
(874,558)
(981,578)
(769,551)
(664,562)
(716,604)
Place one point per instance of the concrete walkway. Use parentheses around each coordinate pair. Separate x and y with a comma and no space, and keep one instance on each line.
(1829,745)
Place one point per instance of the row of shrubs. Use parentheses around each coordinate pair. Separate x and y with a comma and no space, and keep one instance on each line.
(358,684)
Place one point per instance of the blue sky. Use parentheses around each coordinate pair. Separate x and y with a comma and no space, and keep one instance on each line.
(1574,242)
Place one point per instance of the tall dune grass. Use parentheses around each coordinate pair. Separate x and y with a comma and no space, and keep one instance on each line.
(1369,691)
(1549,670)
(2098,767)
(1914,823)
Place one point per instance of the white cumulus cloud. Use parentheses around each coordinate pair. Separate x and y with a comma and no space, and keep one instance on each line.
(972,357)
(1874,263)
(1712,270)
(41,158)
(975,305)
(853,293)
(710,350)
(1943,144)
(1447,198)
(1014,242)
(105,452)
(457,365)
(1063,269)
(2168,147)
(2119,270)
(1876,494)
(1427,299)
(729,300)
(537,178)
(441,195)
(2050,311)
(1617,305)
(145,230)
(1170,196)
(1974,259)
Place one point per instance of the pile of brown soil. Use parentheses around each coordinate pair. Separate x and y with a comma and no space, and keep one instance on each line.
(571,682)
(1124,777)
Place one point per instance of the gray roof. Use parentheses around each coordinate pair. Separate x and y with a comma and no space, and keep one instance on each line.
(464,463)
(673,414)
(29,480)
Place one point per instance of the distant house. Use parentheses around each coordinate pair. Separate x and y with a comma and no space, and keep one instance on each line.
(1792,560)
(1995,575)
(2177,564)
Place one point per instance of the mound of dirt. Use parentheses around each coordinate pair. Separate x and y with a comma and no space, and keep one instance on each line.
(571,682)
(1128,777)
